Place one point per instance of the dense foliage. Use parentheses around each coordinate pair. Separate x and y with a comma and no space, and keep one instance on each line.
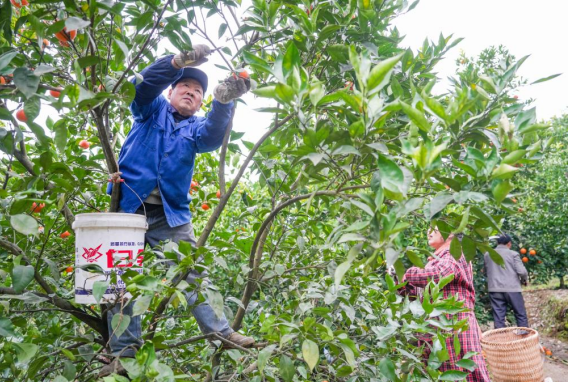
(360,158)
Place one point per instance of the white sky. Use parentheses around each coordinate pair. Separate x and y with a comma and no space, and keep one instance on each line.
(538,28)
(521,25)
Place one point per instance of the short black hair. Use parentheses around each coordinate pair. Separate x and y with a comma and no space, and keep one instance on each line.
(504,239)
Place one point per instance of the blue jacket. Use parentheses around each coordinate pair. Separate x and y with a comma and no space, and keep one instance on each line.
(157,151)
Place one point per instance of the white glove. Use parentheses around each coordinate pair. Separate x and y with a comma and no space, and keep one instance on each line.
(233,87)
(195,57)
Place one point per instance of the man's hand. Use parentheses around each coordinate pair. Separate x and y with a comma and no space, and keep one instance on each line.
(115,178)
(233,87)
(194,57)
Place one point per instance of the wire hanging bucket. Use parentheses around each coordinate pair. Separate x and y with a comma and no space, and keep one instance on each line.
(513,355)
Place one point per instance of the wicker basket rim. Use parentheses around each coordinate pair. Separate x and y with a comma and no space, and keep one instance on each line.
(494,331)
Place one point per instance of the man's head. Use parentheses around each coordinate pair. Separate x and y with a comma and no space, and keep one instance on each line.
(504,239)
(186,94)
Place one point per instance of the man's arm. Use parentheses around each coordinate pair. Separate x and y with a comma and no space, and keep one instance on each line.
(161,74)
(520,268)
(209,136)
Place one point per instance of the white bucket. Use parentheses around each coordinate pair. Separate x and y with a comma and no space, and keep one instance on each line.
(112,241)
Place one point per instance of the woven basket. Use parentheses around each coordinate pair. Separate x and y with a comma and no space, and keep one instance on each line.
(513,356)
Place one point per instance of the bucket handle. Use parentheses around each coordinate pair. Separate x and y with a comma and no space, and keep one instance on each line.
(134,192)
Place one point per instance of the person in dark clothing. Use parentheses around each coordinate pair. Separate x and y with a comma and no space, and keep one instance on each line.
(504,284)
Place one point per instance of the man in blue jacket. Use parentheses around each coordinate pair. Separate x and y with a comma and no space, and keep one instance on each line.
(156,163)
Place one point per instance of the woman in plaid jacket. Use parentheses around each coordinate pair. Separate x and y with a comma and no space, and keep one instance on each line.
(439,266)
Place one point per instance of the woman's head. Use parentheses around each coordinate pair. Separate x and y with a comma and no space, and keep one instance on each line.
(435,238)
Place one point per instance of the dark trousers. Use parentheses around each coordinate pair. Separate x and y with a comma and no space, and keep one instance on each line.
(499,303)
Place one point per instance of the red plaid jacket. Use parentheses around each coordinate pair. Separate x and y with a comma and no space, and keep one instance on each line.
(462,287)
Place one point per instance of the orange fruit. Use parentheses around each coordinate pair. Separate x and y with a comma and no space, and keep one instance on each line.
(65,35)
(21,116)
(514,200)
(65,235)
(244,74)
(520,209)
(548,352)
(205,206)
(525,259)
(2,81)
(19,3)
(55,93)
(36,208)
(69,269)
(84,144)
(45,42)
(194,185)
(532,252)
(540,261)
(218,194)
(523,251)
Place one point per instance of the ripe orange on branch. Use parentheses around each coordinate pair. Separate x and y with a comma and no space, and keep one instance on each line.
(19,3)
(205,206)
(532,252)
(21,116)
(523,251)
(65,235)
(55,93)
(65,35)
(525,259)
(36,208)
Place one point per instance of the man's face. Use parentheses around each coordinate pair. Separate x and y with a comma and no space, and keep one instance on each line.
(186,97)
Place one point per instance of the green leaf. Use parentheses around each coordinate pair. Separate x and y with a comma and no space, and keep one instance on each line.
(386,366)
(291,59)
(455,248)
(215,301)
(60,139)
(141,304)
(6,328)
(222,29)
(467,364)
(416,116)
(340,271)
(546,78)
(392,177)
(263,357)
(22,275)
(514,156)
(285,93)
(468,248)
(26,81)
(439,202)
(504,171)
(6,58)
(494,255)
(310,352)
(453,375)
(75,23)
(25,351)
(99,289)
(119,323)
(380,75)
(265,91)
(287,369)
(24,224)
(501,190)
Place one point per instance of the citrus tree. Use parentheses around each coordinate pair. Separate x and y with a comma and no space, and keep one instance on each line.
(540,224)
(298,227)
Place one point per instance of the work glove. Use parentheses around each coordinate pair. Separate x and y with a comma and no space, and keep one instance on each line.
(194,57)
(233,87)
